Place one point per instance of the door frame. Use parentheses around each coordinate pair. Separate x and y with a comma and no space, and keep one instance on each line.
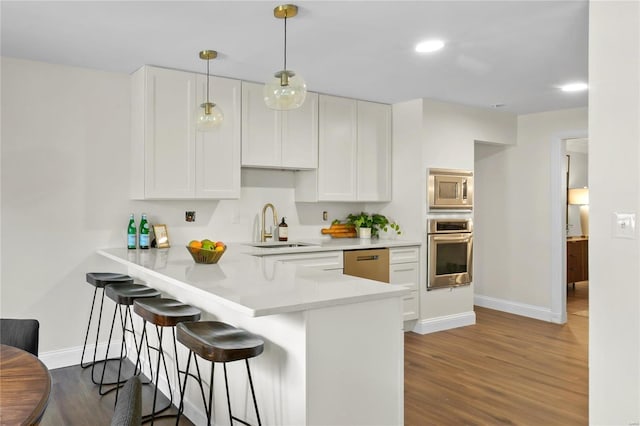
(558,220)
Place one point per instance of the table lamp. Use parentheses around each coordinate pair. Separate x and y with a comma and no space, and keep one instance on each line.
(580,197)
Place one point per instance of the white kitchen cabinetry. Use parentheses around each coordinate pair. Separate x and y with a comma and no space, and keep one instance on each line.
(404,269)
(323,260)
(354,160)
(278,139)
(170,160)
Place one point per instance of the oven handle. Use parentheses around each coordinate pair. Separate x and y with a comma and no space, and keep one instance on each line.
(452,237)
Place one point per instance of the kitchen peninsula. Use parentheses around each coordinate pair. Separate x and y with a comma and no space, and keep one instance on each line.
(333,343)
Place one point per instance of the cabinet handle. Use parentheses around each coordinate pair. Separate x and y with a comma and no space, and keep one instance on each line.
(361,258)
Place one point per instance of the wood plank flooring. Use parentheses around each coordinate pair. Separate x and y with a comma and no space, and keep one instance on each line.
(505,370)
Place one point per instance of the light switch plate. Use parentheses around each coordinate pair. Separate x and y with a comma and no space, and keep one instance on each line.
(624,225)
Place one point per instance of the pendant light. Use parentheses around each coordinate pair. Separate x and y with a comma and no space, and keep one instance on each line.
(209,114)
(286,90)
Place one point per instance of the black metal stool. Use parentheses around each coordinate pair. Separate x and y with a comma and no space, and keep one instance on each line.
(124,295)
(99,280)
(218,342)
(163,313)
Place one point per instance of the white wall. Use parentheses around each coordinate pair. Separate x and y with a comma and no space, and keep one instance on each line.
(614,179)
(65,176)
(513,214)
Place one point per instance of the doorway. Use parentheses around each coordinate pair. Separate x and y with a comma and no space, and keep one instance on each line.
(577,227)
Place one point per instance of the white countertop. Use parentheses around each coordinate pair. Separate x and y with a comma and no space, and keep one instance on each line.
(244,281)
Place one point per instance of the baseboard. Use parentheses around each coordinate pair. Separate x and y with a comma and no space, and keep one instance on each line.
(447,322)
(523,309)
(71,356)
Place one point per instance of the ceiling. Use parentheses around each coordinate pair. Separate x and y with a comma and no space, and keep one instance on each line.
(513,53)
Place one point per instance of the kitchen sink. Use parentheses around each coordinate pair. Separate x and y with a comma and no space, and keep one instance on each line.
(283,244)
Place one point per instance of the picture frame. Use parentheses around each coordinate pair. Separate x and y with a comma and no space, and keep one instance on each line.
(161,235)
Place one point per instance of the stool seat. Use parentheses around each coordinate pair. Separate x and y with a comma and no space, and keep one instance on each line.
(125,294)
(165,312)
(101,279)
(219,342)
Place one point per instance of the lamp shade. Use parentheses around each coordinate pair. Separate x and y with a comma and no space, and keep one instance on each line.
(285,94)
(578,196)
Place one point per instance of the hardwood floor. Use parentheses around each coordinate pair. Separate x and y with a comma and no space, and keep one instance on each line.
(505,370)
(74,399)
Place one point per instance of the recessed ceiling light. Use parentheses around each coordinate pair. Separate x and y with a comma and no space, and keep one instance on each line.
(574,87)
(429,46)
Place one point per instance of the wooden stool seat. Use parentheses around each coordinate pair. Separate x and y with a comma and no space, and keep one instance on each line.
(165,312)
(219,342)
(125,294)
(101,279)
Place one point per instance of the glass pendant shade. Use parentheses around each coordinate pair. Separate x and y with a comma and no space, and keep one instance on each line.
(209,117)
(285,91)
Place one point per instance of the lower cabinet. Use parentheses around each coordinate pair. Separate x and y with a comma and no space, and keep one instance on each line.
(404,269)
(577,260)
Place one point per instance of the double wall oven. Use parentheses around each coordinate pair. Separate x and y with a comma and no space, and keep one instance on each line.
(449,251)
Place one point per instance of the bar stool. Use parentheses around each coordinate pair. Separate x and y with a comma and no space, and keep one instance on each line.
(218,342)
(99,280)
(124,295)
(163,312)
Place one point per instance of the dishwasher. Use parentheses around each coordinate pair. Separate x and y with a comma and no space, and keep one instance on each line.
(372,264)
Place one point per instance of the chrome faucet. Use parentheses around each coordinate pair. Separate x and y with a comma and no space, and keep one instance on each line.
(263,233)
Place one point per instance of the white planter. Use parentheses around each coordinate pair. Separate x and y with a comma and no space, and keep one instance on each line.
(364,233)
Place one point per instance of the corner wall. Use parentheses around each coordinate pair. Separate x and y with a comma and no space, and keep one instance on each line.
(515,213)
(436,134)
(614,179)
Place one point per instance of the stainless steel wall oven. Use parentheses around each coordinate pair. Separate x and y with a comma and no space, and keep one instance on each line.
(449,252)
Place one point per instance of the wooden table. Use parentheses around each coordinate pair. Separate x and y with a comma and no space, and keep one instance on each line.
(25,385)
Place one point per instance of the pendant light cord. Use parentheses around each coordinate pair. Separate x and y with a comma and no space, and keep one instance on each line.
(208,60)
(285,42)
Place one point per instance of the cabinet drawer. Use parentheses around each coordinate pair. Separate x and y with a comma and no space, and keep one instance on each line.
(325,260)
(405,274)
(403,255)
(410,306)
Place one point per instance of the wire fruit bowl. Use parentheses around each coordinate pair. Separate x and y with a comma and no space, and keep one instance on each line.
(201,255)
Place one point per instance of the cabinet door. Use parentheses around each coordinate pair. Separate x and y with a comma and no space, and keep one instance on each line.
(217,153)
(407,275)
(261,131)
(374,152)
(300,135)
(169,134)
(337,123)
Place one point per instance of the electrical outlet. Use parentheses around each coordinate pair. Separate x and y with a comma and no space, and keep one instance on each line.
(190,216)
(325,215)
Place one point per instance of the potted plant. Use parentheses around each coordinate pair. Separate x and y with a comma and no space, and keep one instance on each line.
(373,222)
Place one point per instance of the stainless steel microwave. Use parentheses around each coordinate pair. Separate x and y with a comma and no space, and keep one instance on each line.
(450,189)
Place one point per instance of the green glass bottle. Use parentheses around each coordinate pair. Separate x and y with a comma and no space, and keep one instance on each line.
(131,233)
(144,232)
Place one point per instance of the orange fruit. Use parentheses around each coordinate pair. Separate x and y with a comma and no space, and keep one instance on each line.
(195,244)
(219,244)
(219,248)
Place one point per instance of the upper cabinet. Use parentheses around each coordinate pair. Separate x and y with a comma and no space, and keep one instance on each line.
(354,153)
(278,139)
(170,159)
